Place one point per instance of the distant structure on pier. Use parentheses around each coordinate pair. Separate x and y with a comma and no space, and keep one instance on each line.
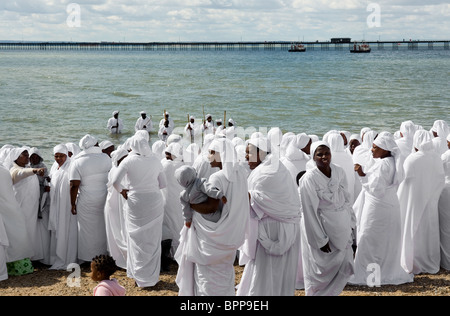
(341,40)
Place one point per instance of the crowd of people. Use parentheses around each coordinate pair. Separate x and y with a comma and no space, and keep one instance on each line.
(298,211)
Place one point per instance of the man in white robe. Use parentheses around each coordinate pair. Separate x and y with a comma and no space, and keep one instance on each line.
(115,217)
(115,124)
(207,249)
(327,222)
(271,250)
(62,223)
(419,196)
(208,127)
(88,178)
(444,211)
(144,123)
(193,131)
(145,211)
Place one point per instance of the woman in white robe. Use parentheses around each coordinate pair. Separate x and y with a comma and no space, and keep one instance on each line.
(377,258)
(327,222)
(362,154)
(297,155)
(419,197)
(115,217)
(208,248)
(271,249)
(201,164)
(62,223)
(444,211)
(405,142)
(440,131)
(27,192)
(144,209)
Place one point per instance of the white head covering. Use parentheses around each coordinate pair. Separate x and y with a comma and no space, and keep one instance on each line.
(73,148)
(275,135)
(368,138)
(232,121)
(118,154)
(314,137)
(207,116)
(35,151)
(14,154)
(87,142)
(262,143)
(448,137)
(301,140)
(142,133)
(143,112)
(236,141)
(191,153)
(388,143)
(219,121)
(61,149)
(317,144)
(159,148)
(105,144)
(176,150)
(256,135)
(115,112)
(140,146)
(423,140)
(228,156)
(363,131)
(185,175)
(173,138)
(441,128)
(336,142)
(408,128)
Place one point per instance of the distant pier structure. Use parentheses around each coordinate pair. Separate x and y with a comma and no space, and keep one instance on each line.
(336,44)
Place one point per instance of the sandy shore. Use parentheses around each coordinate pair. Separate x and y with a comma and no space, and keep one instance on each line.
(44,282)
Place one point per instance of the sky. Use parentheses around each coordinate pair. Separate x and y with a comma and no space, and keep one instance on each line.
(223,20)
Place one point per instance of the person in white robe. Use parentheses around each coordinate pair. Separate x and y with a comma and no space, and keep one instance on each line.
(19,242)
(73,149)
(159,149)
(207,249)
(405,142)
(440,131)
(115,217)
(88,178)
(115,124)
(144,123)
(327,222)
(191,153)
(192,130)
(220,128)
(208,126)
(62,223)
(202,164)
(145,211)
(173,218)
(165,130)
(27,192)
(167,117)
(444,211)
(297,155)
(271,250)
(107,147)
(419,197)
(362,155)
(377,258)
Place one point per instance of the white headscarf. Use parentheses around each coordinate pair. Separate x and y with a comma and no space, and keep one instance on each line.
(87,142)
(388,143)
(317,144)
(142,133)
(176,150)
(61,149)
(159,147)
(408,128)
(228,156)
(73,148)
(14,154)
(35,151)
(441,128)
(423,140)
(118,154)
(185,176)
(140,146)
(105,144)
(301,140)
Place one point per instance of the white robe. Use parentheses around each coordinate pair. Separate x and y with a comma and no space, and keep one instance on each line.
(140,123)
(111,125)
(91,167)
(19,241)
(4,243)
(379,228)
(295,161)
(27,194)
(62,223)
(419,196)
(271,249)
(115,220)
(327,218)
(444,214)
(145,213)
(207,249)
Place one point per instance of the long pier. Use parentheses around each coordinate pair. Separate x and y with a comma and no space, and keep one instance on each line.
(220,46)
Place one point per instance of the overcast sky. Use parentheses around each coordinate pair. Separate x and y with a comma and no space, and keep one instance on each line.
(223,20)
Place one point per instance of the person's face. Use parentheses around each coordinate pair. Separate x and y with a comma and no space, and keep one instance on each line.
(307,149)
(60,158)
(209,119)
(252,156)
(378,152)
(353,144)
(214,159)
(34,159)
(435,134)
(322,157)
(168,156)
(116,116)
(166,123)
(218,123)
(192,121)
(144,116)
(24,159)
(230,124)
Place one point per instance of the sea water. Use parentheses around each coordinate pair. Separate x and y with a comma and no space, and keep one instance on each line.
(52,97)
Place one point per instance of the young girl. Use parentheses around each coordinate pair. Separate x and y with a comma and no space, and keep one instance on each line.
(102,267)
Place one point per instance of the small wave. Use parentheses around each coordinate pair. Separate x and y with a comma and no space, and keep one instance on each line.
(125,95)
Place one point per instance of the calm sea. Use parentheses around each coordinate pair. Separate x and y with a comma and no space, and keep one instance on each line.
(59,96)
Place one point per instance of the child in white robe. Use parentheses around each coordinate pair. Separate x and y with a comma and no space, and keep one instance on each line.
(195,191)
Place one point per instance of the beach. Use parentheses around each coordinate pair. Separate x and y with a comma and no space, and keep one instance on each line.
(44,282)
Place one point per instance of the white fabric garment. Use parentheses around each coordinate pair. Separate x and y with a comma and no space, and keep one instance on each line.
(62,223)
(271,249)
(405,143)
(4,243)
(112,125)
(91,167)
(208,249)
(144,124)
(362,154)
(145,212)
(440,127)
(115,220)
(419,196)
(444,214)
(159,148)
(27,192)
(327,217)
(14,219)
(379,227)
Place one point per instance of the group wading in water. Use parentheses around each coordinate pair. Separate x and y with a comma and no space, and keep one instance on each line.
(296,210)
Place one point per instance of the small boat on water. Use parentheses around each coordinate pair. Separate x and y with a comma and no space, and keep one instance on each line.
(297,48)
(360,48)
